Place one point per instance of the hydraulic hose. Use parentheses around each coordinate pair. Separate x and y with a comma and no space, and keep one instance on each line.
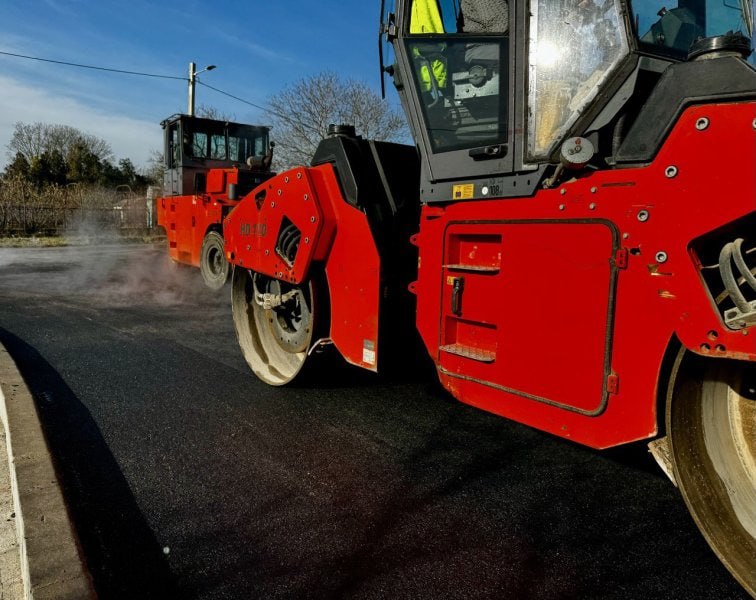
(729,251)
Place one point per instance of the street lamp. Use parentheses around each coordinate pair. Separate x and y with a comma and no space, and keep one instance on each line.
(192,78)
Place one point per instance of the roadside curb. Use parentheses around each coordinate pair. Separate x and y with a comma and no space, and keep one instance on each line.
(49,556)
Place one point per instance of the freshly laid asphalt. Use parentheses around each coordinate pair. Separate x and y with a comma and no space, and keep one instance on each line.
(188,478)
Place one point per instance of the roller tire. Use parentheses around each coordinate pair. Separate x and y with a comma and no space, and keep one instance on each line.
(711,423)
(214,267)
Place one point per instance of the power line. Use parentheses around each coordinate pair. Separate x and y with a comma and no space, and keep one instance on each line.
(271,111)
(70,64)
(110,70)
(262,108)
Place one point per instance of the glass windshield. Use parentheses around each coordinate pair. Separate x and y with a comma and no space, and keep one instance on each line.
(574,47)
(672,26)
(218,146)
(205,139)
(459,54)
(244,142)
(199,145)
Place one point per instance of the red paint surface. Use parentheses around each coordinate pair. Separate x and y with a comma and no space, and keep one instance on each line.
(565,315)
(251,231)
(546,303)
(187,219)
(333,233)
(548,339)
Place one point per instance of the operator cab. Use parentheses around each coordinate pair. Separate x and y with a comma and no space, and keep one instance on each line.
(493,88)
(194,145)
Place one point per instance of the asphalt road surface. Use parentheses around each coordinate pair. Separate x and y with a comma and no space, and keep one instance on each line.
(188,478)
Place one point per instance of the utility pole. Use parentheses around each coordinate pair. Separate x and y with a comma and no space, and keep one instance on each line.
(192,81)
(192,75)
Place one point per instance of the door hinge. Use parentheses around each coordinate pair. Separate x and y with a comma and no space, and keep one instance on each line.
(612,384)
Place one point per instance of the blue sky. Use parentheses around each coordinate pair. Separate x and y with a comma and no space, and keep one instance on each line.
(259,47)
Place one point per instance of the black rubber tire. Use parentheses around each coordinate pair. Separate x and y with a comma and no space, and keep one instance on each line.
(213,264)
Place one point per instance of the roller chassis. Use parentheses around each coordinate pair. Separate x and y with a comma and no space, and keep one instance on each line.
(207,158)
(646,226)
(587,285)
(605,297)
(573,302)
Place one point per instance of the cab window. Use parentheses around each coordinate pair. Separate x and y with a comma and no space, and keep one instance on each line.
(574,47)
(459,53)
(218,146)
(199,144)
(244,142)
(671,27)
(173,152)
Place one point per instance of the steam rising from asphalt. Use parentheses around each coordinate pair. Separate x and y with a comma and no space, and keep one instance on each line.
(109,275)
(140,276)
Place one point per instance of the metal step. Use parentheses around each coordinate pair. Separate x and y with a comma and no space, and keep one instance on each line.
(485,356)
(474,268)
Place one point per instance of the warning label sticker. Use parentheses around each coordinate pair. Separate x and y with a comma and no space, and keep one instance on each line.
(463,192)
(368,352)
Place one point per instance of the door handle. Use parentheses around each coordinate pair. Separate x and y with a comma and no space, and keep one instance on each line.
(456,298)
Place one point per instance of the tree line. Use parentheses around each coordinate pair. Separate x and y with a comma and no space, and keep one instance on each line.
(58,174)
(46,154)
(62,179)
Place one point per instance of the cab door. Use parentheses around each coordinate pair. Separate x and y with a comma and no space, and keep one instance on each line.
(453,78)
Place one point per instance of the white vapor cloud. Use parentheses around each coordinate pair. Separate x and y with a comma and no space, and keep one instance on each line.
(129,138)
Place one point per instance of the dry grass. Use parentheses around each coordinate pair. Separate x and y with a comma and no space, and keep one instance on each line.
(32,242)
(53,211)
(78,240)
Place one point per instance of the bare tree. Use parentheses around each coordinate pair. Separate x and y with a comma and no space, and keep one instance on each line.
(32,140)
(155,168)
(29,140)
(303,111)
(210,112)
